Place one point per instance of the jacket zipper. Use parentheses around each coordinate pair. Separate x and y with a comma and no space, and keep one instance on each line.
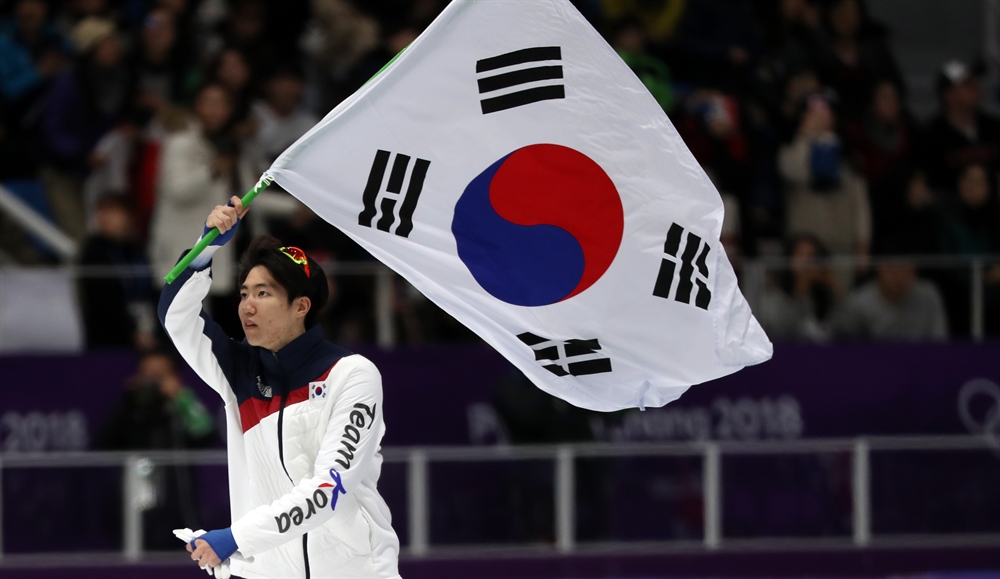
(281,452)
(305,552)
(281,416)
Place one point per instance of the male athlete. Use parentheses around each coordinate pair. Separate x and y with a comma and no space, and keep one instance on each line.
(304,420)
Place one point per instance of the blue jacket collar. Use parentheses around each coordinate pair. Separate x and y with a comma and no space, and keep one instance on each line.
(296,354)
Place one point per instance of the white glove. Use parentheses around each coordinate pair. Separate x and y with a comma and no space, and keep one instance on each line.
(187,535)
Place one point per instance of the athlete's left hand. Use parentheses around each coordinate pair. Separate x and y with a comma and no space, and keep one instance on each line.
(226,217)
(203,554)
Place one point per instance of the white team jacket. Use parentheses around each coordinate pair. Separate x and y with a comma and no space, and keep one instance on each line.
(303,431)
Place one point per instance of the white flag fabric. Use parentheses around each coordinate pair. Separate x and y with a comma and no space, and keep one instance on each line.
(512,168)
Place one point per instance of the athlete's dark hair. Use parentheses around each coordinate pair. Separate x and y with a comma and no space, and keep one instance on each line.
(265,250)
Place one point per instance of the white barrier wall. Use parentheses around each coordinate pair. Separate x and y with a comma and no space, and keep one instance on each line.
(38,311)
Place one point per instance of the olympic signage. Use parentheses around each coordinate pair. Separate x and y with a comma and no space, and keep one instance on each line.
(979,409)
(454,394)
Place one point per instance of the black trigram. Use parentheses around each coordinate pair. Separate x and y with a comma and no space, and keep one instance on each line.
(562,354)
(513,75)
(686,277)
(402,171)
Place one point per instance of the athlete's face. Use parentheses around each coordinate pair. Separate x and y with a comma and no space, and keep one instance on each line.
(269,320)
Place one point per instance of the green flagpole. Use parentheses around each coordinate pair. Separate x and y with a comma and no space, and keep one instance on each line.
(265,180)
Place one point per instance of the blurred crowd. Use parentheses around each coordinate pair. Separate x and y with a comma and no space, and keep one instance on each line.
(126,121)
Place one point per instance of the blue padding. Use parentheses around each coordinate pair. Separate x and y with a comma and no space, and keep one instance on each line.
(32,193)
(225,237)
(221,541)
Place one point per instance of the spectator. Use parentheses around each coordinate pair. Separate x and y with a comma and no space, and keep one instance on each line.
(630,43)
(158,412)
(527,415)
(883,140)
(532,416)
(163,75)
(717,43)
(197,173)
(741,74)
(971,227)
(190,19)
(232,72)
(284,27)
(962,133)
(76,11)
(825,196)
(883,137)
(159,68)
(895,306)
(798,89)
(797,303)
(657,20)
(762,215)
(85,102)
(110,163)
(32,52)
(339,36)
(117,308)
(280,119)
(912,218)
(856,55)
(394,40)
(792,45)
(712,128)
(244,32)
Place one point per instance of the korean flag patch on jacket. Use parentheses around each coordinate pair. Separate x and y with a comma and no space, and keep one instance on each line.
(317,390)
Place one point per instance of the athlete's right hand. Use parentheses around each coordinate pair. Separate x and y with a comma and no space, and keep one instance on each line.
(225,217)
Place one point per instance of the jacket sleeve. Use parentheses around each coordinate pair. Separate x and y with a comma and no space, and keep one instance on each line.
(347,453)
(213,355)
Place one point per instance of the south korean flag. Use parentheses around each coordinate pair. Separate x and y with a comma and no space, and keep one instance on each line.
(512,168)
(317,390)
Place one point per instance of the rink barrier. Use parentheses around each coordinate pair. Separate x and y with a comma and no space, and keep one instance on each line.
(563,457)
